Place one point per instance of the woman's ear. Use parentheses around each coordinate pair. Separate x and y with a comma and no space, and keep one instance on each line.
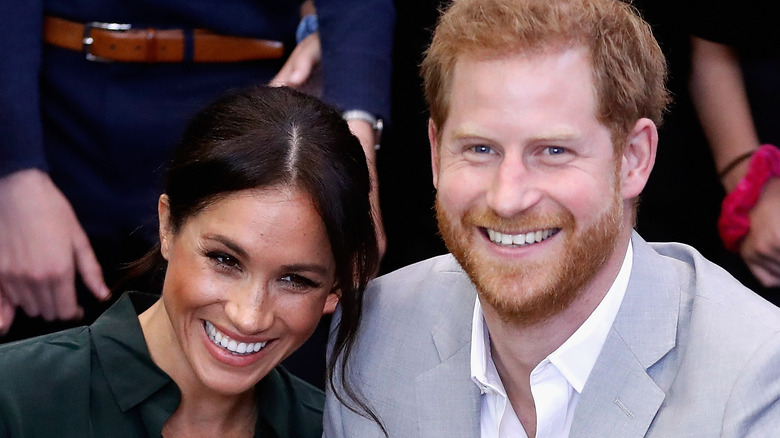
(164,216)
(330,302)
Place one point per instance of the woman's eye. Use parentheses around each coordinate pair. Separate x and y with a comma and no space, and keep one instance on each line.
(298,282)
(223,260)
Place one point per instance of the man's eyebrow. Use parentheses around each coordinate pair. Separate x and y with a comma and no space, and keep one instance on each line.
(468,132)
(234,246)
(554,133)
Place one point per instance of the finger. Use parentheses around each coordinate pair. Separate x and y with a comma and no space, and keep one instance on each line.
(89,268)
(24,297)
(293,74)
(45,299)
(7,313)
(767,278)
(296,71)
(65,305)
(283,77)
(765,269)
(301,71)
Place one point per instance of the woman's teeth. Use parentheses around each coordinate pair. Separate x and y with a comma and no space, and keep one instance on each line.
(222,340)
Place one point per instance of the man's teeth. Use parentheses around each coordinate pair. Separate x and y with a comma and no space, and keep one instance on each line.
(230,345)
(519,239)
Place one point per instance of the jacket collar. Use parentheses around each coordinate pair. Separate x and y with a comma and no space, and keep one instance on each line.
(620,398)
(447,398)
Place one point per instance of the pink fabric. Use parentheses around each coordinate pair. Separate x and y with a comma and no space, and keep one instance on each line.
(734,221)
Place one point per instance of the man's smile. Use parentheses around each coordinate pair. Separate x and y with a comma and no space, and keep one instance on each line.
(520,239)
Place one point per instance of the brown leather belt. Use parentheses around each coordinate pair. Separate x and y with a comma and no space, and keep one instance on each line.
(120,42)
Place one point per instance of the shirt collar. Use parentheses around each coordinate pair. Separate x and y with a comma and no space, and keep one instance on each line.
(120,345)
(575,358)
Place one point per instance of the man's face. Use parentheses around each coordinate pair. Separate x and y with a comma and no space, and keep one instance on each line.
(528,186)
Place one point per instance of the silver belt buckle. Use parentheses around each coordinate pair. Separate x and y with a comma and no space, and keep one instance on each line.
(87,40)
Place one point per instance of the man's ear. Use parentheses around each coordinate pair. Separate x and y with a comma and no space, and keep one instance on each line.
(638,158)
(434,151)
(164,216)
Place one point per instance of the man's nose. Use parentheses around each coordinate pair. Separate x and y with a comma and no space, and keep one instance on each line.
(514,188)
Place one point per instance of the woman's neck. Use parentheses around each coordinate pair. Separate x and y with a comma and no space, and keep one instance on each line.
(204,417)
(202,412)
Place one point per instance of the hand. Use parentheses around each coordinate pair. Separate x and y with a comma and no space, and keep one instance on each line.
(7,314)
(365,133)
(761,248)
(42,245)
(302,61)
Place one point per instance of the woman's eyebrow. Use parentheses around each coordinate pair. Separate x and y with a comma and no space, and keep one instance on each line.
(306,267)
(234,246)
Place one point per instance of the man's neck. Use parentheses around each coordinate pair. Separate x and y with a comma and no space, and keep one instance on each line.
(517,348)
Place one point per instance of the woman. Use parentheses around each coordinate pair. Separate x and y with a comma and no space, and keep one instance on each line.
(265,225)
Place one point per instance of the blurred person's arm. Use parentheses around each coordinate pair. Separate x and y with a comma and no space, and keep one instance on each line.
(718,93)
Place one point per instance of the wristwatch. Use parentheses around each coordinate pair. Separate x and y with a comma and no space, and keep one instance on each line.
(376,123)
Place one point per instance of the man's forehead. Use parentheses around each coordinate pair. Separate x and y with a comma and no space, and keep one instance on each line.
(499,87)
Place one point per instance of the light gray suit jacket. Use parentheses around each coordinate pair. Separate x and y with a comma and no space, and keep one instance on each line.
(692,353)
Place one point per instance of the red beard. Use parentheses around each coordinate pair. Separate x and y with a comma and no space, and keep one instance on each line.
(528,292)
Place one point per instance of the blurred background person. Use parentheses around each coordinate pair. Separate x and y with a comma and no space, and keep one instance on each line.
(92,99)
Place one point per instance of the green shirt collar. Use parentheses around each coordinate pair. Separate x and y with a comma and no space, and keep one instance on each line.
(136,382)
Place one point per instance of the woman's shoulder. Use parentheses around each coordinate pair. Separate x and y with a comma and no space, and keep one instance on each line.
(303,392)
(290,405)
(43,354)
(44,375)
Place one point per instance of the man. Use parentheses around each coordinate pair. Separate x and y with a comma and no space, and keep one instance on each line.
(552,318)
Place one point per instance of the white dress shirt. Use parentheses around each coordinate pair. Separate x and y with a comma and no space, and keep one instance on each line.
(556,382)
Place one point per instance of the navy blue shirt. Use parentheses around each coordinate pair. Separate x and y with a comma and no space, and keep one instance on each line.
(103,131)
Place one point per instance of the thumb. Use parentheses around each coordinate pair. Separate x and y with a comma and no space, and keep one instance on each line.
(7,314)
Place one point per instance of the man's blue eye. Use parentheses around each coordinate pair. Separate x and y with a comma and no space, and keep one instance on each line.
(481,149)
(554,150)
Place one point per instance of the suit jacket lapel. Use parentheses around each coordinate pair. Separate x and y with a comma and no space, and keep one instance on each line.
(447,398)
(620,399)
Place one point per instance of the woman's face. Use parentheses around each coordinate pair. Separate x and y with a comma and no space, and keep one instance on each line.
(248,279)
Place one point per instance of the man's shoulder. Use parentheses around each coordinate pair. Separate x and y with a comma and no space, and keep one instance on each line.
(719,320)
(710,288)
(724,342)
(427,281)
(415,299)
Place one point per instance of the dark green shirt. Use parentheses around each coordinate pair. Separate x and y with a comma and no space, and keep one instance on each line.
(100,381)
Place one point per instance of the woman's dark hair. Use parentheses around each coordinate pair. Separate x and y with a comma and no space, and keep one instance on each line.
(265,137)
